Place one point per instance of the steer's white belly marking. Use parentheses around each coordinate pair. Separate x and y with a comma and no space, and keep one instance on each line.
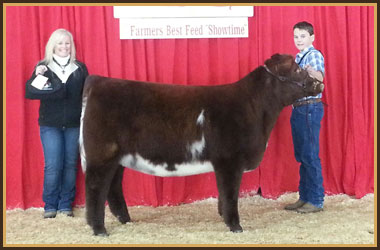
(196,148)
(140,164)
(201,118)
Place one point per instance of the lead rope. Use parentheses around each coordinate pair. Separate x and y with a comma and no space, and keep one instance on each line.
(309,127)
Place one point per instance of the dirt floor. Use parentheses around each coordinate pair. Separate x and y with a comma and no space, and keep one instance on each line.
(345,220)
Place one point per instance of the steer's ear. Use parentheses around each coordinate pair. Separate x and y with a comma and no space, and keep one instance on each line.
(279,64)
(276,59)
(286,63)
(273,62)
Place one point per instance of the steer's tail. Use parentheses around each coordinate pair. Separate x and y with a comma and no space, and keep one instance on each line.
(81,144)
(86,93)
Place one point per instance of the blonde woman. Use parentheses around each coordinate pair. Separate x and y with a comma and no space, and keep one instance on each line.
(59,121)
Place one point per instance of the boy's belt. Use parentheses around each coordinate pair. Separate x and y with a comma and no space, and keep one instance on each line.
(308,101)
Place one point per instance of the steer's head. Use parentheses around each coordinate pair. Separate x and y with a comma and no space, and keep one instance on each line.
(290,82)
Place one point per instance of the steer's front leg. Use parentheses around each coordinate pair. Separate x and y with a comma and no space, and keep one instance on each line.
(228,182)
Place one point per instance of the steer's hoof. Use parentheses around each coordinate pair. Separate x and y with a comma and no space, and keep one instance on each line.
(124,219)
(236,229)
(100,232)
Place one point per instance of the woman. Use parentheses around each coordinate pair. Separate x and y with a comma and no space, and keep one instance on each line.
(59,121)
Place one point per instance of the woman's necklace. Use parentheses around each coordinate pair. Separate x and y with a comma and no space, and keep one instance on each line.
(62,66)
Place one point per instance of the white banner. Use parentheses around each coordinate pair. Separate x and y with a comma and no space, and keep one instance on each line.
(169,22)
(167,28)
(182,11)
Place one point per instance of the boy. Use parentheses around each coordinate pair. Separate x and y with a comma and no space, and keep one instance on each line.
(305,122)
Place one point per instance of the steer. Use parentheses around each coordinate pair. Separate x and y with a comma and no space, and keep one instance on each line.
(177,130)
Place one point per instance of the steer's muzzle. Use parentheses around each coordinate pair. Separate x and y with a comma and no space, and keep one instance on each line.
(319,86)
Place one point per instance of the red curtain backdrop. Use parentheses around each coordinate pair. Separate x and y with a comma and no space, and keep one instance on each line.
(345,35)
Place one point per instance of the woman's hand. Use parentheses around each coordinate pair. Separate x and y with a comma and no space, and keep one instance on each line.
(41,69)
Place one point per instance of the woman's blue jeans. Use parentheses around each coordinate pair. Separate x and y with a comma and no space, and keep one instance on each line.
(61,150)
(306,124)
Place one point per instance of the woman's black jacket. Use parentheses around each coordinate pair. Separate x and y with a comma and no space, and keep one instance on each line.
(64,112)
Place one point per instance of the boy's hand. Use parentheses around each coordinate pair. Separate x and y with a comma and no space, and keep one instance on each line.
(310,70)
(314,73)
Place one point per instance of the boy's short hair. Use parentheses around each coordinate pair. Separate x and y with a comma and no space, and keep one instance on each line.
(304,26)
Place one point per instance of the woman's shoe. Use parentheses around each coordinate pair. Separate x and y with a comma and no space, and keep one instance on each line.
(50,214)
(68,213)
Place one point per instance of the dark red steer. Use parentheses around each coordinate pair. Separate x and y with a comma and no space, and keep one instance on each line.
(176,130)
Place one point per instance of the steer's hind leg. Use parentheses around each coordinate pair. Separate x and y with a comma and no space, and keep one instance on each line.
(98,180)
(116,199)
(228,183)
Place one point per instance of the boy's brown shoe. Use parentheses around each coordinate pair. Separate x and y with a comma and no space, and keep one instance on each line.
(295,205)
(309,208)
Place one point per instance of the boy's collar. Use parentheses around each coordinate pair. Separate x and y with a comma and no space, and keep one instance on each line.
(307,49)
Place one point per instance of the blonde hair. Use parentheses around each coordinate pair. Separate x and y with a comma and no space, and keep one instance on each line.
(55,37)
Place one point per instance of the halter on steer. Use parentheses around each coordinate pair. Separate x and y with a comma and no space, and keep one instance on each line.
(286,79)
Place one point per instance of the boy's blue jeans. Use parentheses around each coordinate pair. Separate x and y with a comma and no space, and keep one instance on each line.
(306,124)
(61,150)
